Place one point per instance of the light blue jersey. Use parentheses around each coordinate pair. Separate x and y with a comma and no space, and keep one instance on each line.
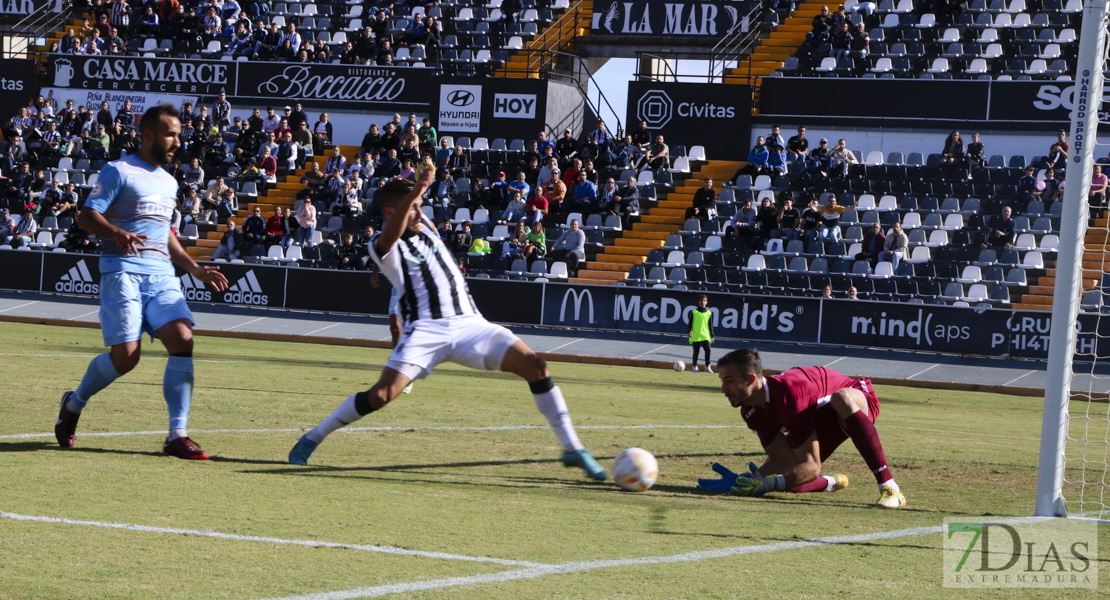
(139,198)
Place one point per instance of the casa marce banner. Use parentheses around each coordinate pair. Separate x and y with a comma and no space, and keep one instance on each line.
(386,89)
(676,18)
(713,116)
(955,103)
(887,325)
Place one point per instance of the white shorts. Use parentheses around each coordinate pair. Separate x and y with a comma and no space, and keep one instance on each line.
(469,340)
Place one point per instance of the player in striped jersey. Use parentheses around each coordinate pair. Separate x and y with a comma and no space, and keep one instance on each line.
(441,323)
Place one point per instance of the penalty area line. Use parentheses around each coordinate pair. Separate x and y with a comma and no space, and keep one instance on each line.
(271,540)
(576,567)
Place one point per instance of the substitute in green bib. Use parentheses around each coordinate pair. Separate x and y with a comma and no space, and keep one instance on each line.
(701,331)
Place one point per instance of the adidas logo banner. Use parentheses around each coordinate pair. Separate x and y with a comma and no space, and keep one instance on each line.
(246,290)
(78,280)
(194,289)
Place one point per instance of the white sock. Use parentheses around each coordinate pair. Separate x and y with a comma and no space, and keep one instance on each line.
(344,415)
(71,407)
(891,485)
(831,483)
(177,433)
(552,406)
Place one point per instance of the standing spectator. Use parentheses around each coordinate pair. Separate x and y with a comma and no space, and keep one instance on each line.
(322,134)
(701,332)
(1096,197)
(896,246)
(1058,152)
(306,217)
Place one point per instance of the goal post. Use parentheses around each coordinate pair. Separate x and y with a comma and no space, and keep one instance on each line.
(1069,266)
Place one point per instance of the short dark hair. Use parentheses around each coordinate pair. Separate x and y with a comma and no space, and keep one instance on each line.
(746,360)
(392,193)
(154,114)
(703,297)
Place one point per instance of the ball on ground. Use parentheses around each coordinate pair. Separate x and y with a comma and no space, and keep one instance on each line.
(635,470)
(679,366)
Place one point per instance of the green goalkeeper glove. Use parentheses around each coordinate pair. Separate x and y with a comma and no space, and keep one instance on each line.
(755,483)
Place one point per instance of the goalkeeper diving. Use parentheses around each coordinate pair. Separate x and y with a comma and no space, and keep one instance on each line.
(801,416)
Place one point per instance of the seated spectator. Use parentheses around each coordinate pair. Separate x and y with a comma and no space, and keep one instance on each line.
(743,224)
(626,200)
(841,41)
(1026,187)
(841,157)
(1051,191)
(1096,197)
(322,134)
(498,193)
(830,218)
(775,137)
(570,246)
(1058,152)
(704,203)
(1000,232)
(254,228)
(226,205)
(77,240)
(976,154)
(443,154)
(275,227)
(895,247)
(776,161)
(826,292)
(758,158)
(788,223)
(460,240)
(535,243)
(514,211)
(444,189)
(408,170)
(953,153)
(538,205)
(585,195)
(427,135)
(213,193)
(459,163)
(352,255)
(860,45)
(853,293)
(628,153)
(658,156)
(606,195)
(820,26)
(231,243)
(873,244)
(7,225)
(766,219)
(513,247)
(268,166)
(520,184)
(189,206)
(797,146)
(25,230)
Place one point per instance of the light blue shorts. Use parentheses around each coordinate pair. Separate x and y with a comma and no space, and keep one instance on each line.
(393,301)
(131,303)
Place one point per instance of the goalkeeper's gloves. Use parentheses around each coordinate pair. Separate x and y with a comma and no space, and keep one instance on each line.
(755,483)
(724,484)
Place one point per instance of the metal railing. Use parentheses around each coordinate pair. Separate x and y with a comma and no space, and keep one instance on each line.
(39,24)
(675,72)
(554,38)
(737,43)
(569,68)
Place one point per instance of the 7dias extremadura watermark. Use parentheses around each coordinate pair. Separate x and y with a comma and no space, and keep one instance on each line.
(1034,553)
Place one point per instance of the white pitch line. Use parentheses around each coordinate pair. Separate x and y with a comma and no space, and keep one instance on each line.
(922,371)
(321,329)
(19,306)
(989,435)
(1022,376)
(243,323)
(271,540)
(575,341)
(23,436)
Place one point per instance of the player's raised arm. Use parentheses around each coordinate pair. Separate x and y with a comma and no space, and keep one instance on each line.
(206,273)
(399,219)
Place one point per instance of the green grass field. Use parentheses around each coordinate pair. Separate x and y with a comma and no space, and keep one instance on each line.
(442,481)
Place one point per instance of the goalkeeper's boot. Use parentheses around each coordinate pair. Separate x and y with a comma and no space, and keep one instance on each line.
(300,452)
(890,498)
(841,482)
(65,428)
(583,459)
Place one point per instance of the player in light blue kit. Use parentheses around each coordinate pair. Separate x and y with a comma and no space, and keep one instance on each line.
(130,209)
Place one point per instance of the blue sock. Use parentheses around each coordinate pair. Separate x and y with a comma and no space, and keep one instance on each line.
(177,385)
(100,374)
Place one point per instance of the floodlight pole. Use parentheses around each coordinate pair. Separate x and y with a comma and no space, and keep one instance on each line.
(1069,262)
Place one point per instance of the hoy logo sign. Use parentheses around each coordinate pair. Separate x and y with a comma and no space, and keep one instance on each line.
(460,108)
(514,106)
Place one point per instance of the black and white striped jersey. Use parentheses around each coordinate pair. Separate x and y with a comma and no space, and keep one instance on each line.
(426,276)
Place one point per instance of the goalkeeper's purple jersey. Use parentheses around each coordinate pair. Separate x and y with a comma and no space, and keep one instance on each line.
(792,401)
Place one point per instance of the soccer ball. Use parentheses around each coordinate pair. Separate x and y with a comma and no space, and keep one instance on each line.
(635,470)
(679,366)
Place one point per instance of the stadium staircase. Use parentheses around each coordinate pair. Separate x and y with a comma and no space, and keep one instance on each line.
(1096,255)
(530,61)
(283,195)
(632,245)
(773,50)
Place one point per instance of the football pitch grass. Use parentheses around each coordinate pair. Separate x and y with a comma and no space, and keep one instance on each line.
(456,491)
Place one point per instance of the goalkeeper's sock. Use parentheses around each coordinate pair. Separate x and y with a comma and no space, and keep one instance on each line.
(550,402)
(890,483)
(821,484)
(352,409)
(866,439)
